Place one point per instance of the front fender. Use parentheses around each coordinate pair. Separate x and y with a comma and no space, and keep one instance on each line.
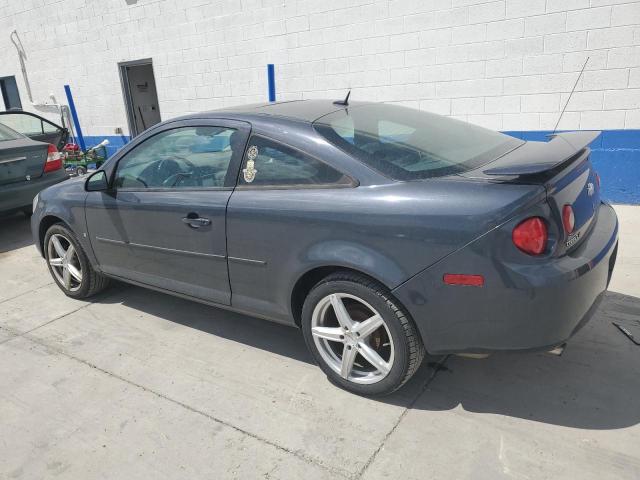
(62,203)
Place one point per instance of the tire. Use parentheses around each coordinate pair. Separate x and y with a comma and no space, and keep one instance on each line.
(80,171)
(395,341)
(89,281)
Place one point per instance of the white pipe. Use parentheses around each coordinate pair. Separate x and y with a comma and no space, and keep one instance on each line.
(22,56)
(103,143)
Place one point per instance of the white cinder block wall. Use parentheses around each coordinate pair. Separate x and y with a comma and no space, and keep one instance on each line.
(505,64)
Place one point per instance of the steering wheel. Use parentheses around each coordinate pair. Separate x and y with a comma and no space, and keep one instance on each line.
(179,172)
(127,179)
(138,179)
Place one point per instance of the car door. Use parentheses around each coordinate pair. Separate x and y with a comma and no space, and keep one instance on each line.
(36,127)
(162,221)
(278,210)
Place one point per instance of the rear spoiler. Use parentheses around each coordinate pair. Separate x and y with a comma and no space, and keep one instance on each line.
(548,155)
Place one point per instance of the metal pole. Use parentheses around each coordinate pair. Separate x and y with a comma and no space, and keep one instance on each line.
(74,115)
(271,77)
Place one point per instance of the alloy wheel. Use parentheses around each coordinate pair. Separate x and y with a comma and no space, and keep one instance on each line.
(352,338)
(64,261)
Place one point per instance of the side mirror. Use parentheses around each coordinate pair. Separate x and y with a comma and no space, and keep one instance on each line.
(97,182)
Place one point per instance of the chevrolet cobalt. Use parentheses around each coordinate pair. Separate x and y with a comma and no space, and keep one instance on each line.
(381,231)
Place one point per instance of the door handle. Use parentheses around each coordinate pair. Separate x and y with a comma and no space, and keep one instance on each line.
(194,221)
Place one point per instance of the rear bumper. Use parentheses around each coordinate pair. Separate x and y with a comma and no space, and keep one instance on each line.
(535,306)
(20,194)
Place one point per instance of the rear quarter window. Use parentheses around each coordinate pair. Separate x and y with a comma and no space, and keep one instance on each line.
(270,163)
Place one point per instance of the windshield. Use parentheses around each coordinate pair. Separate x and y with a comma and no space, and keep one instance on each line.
(7,134)
(408,144)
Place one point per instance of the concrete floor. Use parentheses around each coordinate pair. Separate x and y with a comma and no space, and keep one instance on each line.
(138,384)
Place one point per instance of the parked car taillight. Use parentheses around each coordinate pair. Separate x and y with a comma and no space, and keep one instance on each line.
(598,180)
(568,219)
(531,236)
(54,159)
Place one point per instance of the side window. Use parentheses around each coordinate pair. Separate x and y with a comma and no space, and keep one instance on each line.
(49,127)
(186,157)
(269,163)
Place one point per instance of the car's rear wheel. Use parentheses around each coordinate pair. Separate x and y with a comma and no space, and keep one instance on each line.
(69,265)
(361,337)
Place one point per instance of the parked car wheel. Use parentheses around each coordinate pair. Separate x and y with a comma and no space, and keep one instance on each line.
(81,171)
(69,265)
(361,337)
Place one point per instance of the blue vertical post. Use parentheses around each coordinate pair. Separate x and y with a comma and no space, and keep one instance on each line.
(74,115)
(271,76)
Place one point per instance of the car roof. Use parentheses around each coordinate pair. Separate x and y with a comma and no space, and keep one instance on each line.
(297,110)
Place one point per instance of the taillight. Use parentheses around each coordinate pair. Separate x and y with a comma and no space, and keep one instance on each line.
(568,219)
(598,180)
(531,236)
(54,159)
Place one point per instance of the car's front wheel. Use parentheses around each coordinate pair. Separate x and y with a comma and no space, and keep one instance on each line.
(361,337)
(69,265)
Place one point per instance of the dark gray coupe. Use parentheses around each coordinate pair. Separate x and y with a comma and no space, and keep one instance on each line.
(383,232)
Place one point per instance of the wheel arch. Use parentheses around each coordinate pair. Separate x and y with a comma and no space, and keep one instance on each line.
(311,277)
(45,223)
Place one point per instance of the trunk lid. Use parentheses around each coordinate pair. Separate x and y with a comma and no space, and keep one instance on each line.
(564,168)
(21,159)
(577,186)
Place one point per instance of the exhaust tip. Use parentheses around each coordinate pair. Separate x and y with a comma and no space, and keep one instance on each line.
(477,356)
(558,350)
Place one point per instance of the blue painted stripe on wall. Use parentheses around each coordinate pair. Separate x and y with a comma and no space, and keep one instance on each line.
(616,157)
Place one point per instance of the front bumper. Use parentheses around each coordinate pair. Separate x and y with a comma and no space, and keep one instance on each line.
(535,306)
(15,196)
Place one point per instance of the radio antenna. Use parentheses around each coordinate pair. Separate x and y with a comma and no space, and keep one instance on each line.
(567,103)
(344,102)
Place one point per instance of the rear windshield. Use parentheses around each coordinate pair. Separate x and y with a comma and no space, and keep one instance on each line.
(7,134)
(407,144)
